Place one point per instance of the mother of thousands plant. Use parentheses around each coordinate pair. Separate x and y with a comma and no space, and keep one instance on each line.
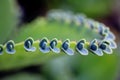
(55,32)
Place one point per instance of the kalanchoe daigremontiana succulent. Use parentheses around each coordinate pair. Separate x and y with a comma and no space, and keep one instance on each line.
(97,46)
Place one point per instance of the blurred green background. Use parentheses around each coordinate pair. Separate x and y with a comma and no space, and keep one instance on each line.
(21,18)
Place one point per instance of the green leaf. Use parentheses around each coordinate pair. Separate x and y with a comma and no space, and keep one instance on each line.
(8,19)
(74,67)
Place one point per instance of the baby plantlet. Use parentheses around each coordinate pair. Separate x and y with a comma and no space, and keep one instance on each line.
(53,45)
(66,47)
(94,48)
(80,47)
(43,46)
(1,49)
(10,47)
(28,45)
(105,47)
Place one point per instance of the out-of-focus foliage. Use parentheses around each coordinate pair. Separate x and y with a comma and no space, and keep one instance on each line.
(24,76)
(8,18)
(92,8)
